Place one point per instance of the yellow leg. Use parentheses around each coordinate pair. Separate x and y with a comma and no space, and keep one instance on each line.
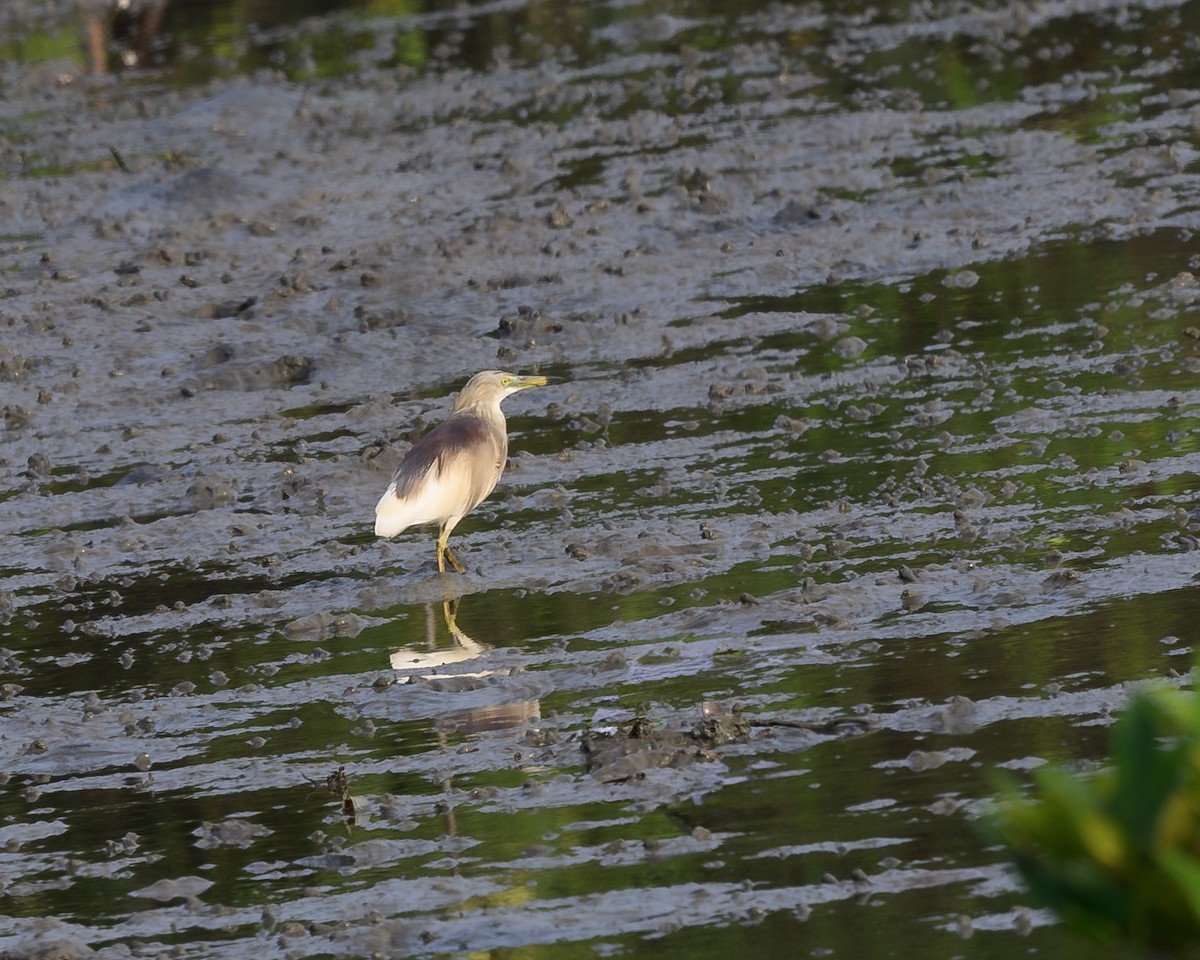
(453,560)
(444,553)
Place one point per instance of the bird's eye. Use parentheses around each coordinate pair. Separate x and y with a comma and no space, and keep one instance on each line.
(506,381)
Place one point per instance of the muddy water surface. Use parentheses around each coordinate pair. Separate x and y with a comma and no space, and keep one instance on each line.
(872,473)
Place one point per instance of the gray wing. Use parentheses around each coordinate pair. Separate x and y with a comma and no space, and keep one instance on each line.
(465,449)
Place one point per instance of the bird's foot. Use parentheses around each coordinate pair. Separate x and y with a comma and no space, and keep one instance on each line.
(448,554)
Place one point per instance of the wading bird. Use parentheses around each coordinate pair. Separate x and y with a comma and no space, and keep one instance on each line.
(455,465)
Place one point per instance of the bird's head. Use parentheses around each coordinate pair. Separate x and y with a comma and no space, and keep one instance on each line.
(491,386)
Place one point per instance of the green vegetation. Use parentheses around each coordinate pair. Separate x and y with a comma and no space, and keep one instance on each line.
(1117,854)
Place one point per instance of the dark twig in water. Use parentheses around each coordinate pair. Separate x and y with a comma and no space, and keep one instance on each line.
(116,155)
(831,725)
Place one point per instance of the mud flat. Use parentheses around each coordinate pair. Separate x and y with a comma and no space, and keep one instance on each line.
(873,472)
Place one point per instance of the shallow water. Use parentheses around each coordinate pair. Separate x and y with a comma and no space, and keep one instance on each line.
(871,478)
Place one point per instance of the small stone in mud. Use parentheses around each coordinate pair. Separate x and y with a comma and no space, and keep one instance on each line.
(972,497)
(144,473)
(666,655)
(716,731)
(47,946)
(849,347)
(227,308)
(922,760)
(560,217)
(838,548)
(966,530)
(1059,579)
(238,833)
(206,493)
(911,601)
(793,426)
(322,625)
(957,717)
(796,213)
(38,464)
(962,280)
(614,661)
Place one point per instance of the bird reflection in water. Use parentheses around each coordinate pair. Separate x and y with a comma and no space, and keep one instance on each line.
(440,663)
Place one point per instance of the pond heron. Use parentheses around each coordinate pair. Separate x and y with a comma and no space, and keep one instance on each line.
(455,465)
